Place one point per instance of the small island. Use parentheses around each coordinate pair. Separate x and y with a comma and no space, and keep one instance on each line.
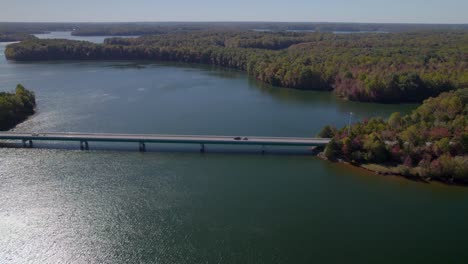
(431,143)
(16,107)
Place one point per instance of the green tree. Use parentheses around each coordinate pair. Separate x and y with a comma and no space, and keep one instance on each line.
(332,150)
(15,107)
(443,145)
(376,149)
(327,132)
(412,135)
(347,148)
(395,120)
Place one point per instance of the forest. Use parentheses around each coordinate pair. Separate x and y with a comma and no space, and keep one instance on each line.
(148,28)
(16,107)
(431,143)
(151,28)
(386,68)
(15,37)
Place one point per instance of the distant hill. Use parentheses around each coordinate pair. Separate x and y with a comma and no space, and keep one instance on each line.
(139,28)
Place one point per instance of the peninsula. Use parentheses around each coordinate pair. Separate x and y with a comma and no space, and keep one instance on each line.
(431,143)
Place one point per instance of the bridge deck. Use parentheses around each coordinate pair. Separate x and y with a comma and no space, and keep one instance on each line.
(175,139)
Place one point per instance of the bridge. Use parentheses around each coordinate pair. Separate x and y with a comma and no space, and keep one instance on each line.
(85,138)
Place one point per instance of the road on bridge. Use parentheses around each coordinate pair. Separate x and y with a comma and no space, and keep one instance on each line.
(84,138)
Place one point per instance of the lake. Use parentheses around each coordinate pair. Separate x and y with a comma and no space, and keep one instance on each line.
(174,205)
(68,35)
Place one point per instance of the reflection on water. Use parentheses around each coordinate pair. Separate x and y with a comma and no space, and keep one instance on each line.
(63,206)
(326,98)
(177,99)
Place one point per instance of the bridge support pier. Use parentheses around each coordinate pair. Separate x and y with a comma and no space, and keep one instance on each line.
(27,143)
(202,148)
(84,145)
(142,147)
(263,150)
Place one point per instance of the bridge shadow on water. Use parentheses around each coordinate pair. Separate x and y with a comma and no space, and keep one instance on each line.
(168,148)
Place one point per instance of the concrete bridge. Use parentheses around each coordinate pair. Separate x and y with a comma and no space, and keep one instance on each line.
(85,138)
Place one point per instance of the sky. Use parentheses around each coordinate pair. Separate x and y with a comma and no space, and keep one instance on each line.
(379,11)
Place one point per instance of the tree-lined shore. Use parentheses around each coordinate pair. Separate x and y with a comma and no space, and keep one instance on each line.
(16,107)
(431,143)
(387,68)
(15,37)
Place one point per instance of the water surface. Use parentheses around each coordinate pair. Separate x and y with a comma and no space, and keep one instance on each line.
(68,35)
(61,205)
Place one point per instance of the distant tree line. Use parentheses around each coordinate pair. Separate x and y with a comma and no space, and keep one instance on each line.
(127,30)
(147,28)
(15,37)
(16,107)
(429,143)
(388,68)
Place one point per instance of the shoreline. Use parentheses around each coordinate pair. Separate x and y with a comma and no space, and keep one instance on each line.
(18,123)
(274,62)
(389,173)
(149,61)
(17,107)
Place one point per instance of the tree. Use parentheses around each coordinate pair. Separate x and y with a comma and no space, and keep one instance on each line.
(376,149)
(411,135)
(443,146)
(347,148)
(332,150)
(327,132)
(15,107)
(395,120)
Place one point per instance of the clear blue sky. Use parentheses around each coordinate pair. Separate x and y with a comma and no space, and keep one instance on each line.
(405,11)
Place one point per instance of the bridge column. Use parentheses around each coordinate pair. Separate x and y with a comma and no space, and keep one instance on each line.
(142,147)
(27,143)
(263,150)
(202,148)
(84,145)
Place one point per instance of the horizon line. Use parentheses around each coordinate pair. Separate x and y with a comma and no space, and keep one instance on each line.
(235,21)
